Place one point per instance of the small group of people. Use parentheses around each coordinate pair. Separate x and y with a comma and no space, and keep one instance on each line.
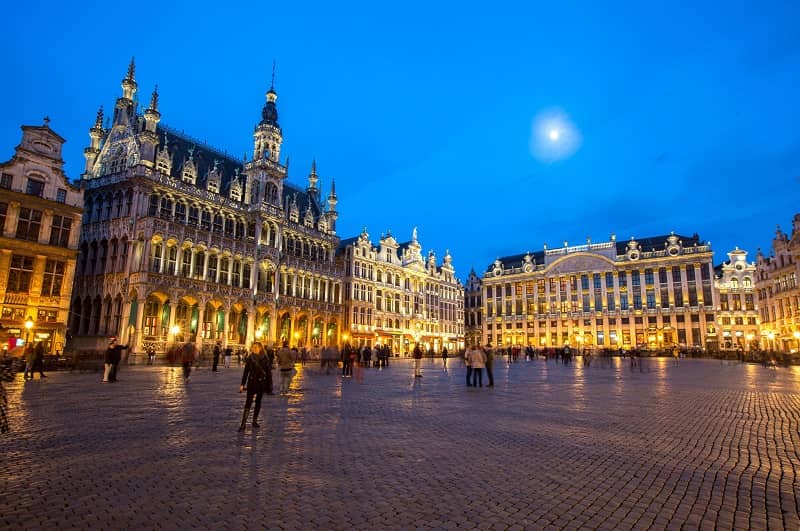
(257,378)
(34,361)
(219,352)
(477,359)
(112,358)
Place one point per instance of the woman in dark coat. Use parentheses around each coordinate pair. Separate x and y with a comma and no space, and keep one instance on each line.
(254,379)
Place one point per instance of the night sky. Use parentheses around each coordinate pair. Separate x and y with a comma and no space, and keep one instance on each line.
(493,128)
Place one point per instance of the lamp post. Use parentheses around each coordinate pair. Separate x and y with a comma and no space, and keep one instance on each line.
(771,337)
(296,337)
(28,329)
(749,337)
(175,330)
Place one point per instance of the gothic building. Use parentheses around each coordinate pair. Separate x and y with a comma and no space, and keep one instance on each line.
(655,292)
(778,291)
(473,322)
(40,217)
(393,296)
(183,242)
(737,311)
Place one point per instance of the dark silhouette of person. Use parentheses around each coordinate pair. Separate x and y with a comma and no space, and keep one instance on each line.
(217,353)
(254,379)
(112,359)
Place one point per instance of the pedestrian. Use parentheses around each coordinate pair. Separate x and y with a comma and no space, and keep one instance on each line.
(228,354)
(216,355)
(478,362)
(28,362)
(348,355)
(468,363)
(254,379)
(286,365)
(112,357)
(489,357)
(444,359)
(417,361)
(188,355)
(38,360)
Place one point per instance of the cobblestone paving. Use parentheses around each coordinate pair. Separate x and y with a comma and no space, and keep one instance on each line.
(698,445)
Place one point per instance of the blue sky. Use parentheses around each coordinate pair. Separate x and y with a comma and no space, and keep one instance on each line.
(687,112)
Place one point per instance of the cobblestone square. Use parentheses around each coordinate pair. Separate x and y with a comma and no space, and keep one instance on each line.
(702,444)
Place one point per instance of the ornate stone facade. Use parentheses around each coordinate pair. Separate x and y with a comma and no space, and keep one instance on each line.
(182,242)
(40,217)
(737,311)
(473,305)
(778,291)
(656,293)
(393,296)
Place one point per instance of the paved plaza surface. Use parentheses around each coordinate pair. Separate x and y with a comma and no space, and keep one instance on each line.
(700,445)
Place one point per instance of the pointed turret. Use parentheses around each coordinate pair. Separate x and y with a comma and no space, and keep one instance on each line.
(151,115)
(332,202)
(124,111)
(313,177)
(96,133)
(268,135)
(129,83)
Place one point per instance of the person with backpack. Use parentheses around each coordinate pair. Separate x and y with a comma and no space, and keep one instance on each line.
(254,380)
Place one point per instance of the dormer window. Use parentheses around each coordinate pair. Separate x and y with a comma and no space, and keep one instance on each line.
(213,186)
(35,187)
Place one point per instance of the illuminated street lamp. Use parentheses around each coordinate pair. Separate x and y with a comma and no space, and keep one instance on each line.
(771,337)
(259,333)
(750,337)
(296,337)
(28,328)
(796,335)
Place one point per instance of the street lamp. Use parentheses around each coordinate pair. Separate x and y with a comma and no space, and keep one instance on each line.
(749,337)
(259,333)
(296,337)
(28,327)
(796,335)
(771,337)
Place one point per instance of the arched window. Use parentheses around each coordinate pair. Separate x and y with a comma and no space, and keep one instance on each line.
(217,223)
(747,282)
(734,283)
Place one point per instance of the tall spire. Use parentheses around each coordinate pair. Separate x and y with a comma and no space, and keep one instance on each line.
(98,122)
(272,82)
(152,116)
(154,99)
(131,69)
(129,83)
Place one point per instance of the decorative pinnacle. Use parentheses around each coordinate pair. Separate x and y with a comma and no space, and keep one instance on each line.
(98,121)
(131,69)
(154,100)
(272,82)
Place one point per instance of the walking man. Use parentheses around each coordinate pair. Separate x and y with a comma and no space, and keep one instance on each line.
(188,355)
(286,366)
(489,357)
(417,361)
(444,359)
